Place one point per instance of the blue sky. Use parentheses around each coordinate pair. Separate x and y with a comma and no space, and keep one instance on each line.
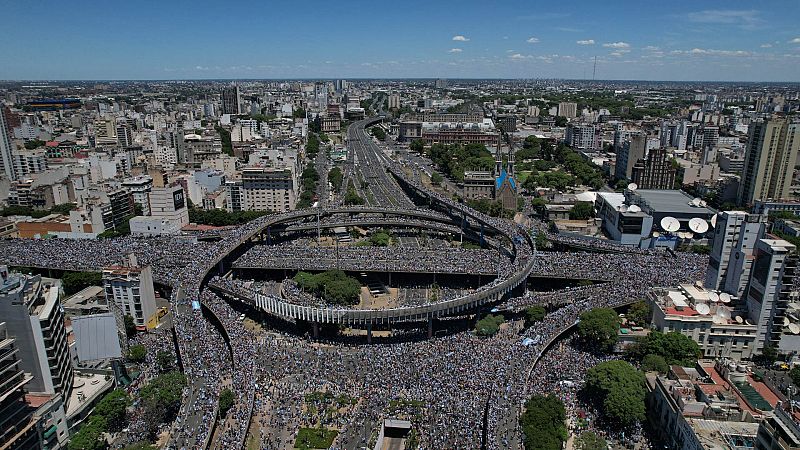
(175,39)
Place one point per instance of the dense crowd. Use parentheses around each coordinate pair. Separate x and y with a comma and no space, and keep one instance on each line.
(378,259)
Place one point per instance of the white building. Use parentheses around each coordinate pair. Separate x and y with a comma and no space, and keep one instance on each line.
(734,238)
(168,213)
(699,314)
(140,188)
(27,162)
(6,147)
(129,292)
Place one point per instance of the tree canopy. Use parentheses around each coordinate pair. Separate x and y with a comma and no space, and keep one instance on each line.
(542,423)
(74,282)
(589,440)
(336,178)
(137,353)
(225,401)
(489,325)
(162,399)
(221,217)
(619,391)
(639,313)
(455,159)
(332,285)
(113,408)
(598,327)
(674,347)
(581,211)
(534,314)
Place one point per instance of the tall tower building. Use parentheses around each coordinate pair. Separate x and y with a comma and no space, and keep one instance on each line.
(6,161)
(230,100)
(769,289)
(632,150)
(772,148)
(29,305)
(17,425)
(734,238)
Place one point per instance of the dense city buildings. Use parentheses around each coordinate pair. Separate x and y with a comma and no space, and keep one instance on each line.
(772,149)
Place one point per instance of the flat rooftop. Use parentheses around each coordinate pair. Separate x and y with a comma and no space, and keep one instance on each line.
(671,201)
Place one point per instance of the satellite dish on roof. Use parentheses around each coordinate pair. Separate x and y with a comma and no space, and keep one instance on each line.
(703,309)
(670,224)
(685,235)
(794,328)
(633,187)
(714,221)
(703,203)
(713,297)
(725,297)
(634,208)
(656,234)
(786,321)
(695,201)
(738,319)
(698,225)
(724,313)
(719,320)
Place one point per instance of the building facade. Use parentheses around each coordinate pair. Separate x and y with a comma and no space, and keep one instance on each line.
(772,148)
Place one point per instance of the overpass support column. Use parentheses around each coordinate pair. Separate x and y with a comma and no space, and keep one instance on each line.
(369,333)
(430,327)
(269,237)
(315,330)
(482,241)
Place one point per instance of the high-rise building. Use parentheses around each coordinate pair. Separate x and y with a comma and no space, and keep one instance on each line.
(124,136)
(735,236)
(772,148)
(632,150)
(27,162)
(6,147)
(655,172)
(230,100)
(568,110)
(769,290)
(394,101)
(17,424)
(268,189)
(29,305)
(710,137)
(582,136)
(129,292)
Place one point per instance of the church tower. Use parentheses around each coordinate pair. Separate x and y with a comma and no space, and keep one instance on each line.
(498,160)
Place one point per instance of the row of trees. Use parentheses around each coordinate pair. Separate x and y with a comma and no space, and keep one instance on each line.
(74,282)
(63,208)
(351,197)
(336,178)
(378,133)
(332,285)
(221,217)
(308,180)
(492,208)
(225,137)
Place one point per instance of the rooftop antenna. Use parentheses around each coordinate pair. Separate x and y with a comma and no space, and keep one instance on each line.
(594,70)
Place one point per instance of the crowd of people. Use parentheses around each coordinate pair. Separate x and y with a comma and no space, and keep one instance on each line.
(379,259)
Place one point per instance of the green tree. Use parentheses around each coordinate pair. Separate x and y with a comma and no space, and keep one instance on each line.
(336,178)
(489,325)
(137,353)
(378,133)
(417,145)
(674,347)
(74,282)
(225,402)
(581,211)
(654,363)
(436,178)
(130,326)
(165,361)
(162,399)
(794,374)
(599,328)
(90,435)
(561,121)
(534,314)
(113,408)
(34,143)
(542,423)
(299,113)
(639,313)
(225,137)
(351,197)
(333,285)
(769,354)
(589,440)
(619,391)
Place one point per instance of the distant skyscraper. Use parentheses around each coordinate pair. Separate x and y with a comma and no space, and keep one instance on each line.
(441,83)
(230,100)
(568,110)
(772,148)
(394,101)
(655,172)
(6,162)
(632,150)
(124,137)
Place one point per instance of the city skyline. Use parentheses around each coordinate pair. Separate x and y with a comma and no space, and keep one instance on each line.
(734,41)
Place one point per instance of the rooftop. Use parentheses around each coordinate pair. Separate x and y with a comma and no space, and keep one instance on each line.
(670,201)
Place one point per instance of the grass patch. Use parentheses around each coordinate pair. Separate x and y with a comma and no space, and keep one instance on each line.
(315,438)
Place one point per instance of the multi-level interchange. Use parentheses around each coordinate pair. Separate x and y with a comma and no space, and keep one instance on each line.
(406,275)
